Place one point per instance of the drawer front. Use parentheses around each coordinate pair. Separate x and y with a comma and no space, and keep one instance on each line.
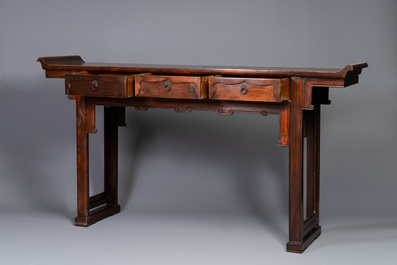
(114,86)
(249,89)
(158,86)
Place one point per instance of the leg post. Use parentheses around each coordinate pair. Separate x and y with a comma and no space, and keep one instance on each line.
(84,112)
(296,169)
(111,155)
(313,161)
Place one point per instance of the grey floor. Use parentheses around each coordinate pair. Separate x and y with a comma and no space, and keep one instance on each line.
(45,237)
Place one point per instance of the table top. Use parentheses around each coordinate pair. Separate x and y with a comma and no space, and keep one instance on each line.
(58,66)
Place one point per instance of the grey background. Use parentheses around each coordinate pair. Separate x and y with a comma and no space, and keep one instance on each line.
(197,188)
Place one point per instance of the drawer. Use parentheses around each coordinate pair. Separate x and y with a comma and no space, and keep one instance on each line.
(181,87)
(248,89)
(85,84)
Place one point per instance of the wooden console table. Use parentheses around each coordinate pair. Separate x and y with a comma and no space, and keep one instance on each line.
(296,94)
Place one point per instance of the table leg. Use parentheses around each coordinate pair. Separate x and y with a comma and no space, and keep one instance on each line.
(111,155)
(312,125)
(83,109)
(91,209)
(303,229)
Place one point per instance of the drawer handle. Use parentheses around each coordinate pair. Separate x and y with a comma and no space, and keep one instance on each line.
(167,86)
(95,85)
(244,89)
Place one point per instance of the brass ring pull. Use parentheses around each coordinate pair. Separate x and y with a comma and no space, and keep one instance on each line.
(167,86)
(95,85)
(244,89)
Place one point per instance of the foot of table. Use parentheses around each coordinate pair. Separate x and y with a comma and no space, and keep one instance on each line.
(299,247)
(97,215)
